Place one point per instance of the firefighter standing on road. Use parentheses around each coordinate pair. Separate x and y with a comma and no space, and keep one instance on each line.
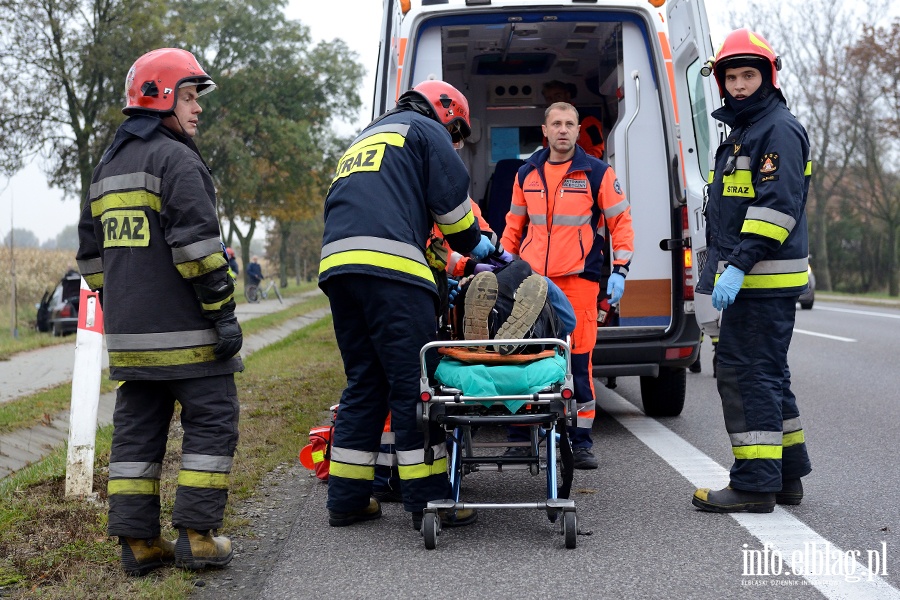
(756,270)
(576,197)
(399,176)
(149,240)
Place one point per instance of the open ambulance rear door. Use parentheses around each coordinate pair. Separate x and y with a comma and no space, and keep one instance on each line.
(386,76)
(697,97)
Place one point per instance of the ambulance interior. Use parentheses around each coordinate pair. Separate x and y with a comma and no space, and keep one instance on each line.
(607,60)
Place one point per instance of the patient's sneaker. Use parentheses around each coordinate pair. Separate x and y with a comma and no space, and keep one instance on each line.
(529,302)
(480,299)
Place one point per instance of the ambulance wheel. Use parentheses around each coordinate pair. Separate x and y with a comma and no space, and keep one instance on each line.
(431,528)
(570,528)
(663,395)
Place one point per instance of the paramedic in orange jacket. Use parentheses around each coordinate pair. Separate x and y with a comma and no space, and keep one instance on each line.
(460,265)
(568,200)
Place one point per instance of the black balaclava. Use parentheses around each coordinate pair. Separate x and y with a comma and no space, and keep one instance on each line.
(765,69)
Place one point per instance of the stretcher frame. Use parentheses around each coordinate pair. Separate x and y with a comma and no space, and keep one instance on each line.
(551,408)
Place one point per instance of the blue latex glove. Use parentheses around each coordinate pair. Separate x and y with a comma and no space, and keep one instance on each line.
(615,289)
(452,290)
(727,287)
(483,248)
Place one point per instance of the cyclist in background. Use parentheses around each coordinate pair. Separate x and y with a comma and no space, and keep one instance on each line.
(254,271)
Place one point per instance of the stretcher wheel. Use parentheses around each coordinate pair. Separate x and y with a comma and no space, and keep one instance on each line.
(431,528)
(570,528)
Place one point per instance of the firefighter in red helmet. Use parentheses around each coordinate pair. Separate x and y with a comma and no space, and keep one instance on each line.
(149,240)
(398,178)
(755,271)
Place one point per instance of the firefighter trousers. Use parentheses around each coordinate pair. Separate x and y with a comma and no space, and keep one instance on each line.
(754,381)
(143,412)
(380,325)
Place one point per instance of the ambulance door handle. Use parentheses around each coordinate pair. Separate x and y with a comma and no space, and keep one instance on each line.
(636,76)
(674,244)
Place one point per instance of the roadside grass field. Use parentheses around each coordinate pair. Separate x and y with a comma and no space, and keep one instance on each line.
(53,547)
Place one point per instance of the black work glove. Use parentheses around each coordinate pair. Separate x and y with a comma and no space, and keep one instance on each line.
(230,337)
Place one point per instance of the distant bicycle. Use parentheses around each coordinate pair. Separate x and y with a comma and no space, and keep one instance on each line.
(253,293)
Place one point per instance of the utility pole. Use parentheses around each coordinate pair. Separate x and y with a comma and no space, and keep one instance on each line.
(14,319)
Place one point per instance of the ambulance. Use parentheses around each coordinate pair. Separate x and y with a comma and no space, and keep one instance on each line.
(635,65)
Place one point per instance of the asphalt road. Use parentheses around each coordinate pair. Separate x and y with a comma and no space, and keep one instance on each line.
(642,538)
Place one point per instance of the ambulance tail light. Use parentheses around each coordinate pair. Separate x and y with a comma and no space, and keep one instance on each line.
(688,258)
(677,353)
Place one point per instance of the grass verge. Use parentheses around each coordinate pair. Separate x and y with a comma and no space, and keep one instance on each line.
(53,547)
(40,407)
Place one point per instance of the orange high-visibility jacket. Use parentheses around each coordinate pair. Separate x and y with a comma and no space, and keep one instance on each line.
(567,219)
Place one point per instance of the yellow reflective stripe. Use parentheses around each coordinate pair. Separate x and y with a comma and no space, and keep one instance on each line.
(148,487)
(376,259)
(135,199)
(421,470)
(793,438)
(94,281)
(202,479)
(784,280)
(765,229)
(808,170)
(339,469)
(318,456)
(196,268)
(391,139)
(710,177)
(460,225)
(217,305)
(162,358)
(757,451)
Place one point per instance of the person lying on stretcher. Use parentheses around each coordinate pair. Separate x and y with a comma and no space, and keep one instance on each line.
(506,299)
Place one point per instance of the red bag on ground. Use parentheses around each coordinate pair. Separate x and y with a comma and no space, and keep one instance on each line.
(312,456)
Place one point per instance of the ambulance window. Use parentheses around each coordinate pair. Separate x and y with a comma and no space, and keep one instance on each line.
(699,116)
(515,142)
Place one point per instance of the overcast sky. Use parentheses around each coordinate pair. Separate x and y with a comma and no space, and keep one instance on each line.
(28,203)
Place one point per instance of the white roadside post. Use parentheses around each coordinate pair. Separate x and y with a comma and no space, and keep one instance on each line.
(85,394)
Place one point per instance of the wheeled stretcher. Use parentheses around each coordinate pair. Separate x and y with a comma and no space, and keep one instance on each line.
(473,388)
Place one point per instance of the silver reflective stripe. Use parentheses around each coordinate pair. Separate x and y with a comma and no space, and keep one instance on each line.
(161,341)
(625,255)
(771,216)
(386,459)
(364,242)
(538,219)
(134,470)
(200,249)
(517,209)
(206,462)
(92,265)
(756,438)
(742,162)
(387,437)
(571,220)
(617,209)
(391,128)
(458,213)
(773,267)
(601,231)
(129,181)
(353,457)
(791,425)
(417,457)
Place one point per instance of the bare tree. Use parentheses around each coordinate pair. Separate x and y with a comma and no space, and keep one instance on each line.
(819,80)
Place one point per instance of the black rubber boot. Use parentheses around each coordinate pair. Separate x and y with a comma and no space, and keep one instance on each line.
(372,511)
(791,492)
(140,556)
(729,500)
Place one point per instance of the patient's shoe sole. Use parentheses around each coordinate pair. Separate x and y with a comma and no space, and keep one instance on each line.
(480,299)
(529,302)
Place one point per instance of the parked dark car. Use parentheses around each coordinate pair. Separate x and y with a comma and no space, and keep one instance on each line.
(58,311)
(807,299)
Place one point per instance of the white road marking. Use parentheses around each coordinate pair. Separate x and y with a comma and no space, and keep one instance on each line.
(824,335)
(784,532)
(853,311)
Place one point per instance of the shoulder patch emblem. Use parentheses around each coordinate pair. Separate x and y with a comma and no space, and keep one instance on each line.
(769,163)
(617,187)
